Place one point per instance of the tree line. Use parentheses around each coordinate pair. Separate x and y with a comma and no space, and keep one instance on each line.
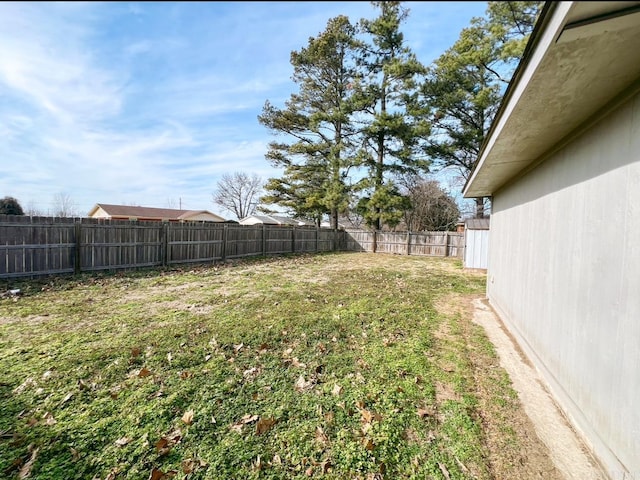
(369,119)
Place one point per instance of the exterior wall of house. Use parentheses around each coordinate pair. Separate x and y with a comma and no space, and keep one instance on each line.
(564,275)
(100,213)
(206,217)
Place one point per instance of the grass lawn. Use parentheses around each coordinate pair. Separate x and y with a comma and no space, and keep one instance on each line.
(340,366)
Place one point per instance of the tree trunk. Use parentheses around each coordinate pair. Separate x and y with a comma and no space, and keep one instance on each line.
(479,207)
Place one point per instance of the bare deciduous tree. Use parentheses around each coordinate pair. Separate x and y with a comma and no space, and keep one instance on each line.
(64,206)
(432,208)
(239,193)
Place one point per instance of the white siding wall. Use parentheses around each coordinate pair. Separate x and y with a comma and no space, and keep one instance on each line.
(564,274)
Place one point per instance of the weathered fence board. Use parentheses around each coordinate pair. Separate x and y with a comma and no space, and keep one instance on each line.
(32,246)
(108,247)
(442,244)
(194,243)
(245,240)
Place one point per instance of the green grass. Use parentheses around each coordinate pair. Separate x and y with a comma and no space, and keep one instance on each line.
(332,366)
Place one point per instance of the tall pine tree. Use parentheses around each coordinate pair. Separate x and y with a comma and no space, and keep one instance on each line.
(317,119)
(464,86)
(391,134)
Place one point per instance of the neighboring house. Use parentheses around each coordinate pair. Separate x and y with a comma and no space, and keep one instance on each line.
(562,164)
(273,220)
(125,212)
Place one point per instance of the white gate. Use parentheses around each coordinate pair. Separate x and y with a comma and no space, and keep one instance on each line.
(476,251)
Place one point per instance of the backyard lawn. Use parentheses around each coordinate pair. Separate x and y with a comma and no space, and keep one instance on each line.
(336,366)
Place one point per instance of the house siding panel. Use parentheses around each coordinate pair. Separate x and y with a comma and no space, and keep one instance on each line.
(569,288)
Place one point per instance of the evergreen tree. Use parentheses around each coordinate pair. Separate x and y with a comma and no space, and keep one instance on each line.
(318,120)
(464,86)
(10,206)
(391,133)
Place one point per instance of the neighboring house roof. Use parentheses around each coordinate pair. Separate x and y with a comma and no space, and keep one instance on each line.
(580,63)
(273,220)
(103,210)
(477,223)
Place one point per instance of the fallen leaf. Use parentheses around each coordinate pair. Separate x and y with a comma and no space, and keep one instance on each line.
(337,390)
(237,348)
(309,472)
(169,358)
(184,375)
(48,419)
(321,437)
(31,422)
(145,372)
(244,421)
(322,347)
(297,363)
(302,385)
(188,466)
(444,471)
(257,464)
(67,397)
(156,474)
(367,415)
(162,446)
(368,444)
(329,417)
(264,425)
(29,382)
(25,470)
(276,460)
(136,351)
(187,417)
(251,372)
(75,455)
(174,436)
(121,442)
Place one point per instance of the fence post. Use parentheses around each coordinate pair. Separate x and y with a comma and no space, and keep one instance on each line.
(76,261)
(225,235)
(446,244)
(293,239)
(408,242)
(164,229)
(264,240)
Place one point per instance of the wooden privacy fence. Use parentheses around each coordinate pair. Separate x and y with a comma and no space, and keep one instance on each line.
(32,246)
(437,244)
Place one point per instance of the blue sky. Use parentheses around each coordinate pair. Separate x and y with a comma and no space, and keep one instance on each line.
(150,103)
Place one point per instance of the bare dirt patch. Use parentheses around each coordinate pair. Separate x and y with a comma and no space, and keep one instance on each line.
(513,449)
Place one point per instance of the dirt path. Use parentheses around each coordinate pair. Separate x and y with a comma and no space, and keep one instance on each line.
(566,450)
